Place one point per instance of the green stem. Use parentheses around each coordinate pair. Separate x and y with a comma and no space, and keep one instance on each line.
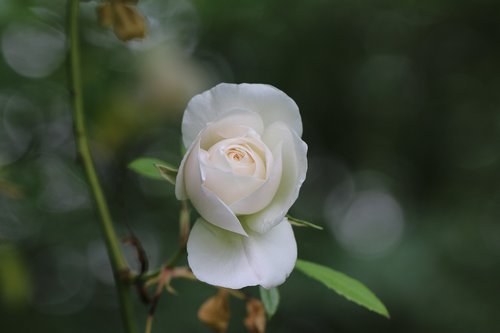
(118,262)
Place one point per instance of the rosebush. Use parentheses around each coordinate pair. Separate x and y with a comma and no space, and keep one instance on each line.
(243,169)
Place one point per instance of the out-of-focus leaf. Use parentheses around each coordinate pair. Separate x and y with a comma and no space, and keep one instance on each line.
(344,285)
(154,168)
(11,190)
(15,284)
(255,321)
(301,223)
(271,300)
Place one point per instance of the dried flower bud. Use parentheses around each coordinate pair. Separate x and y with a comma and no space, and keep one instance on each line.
(215,312)
(105,15)
(255,322)
(127,22)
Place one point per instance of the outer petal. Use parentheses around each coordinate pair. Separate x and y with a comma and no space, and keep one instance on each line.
(226,259)
(235,123)
(180,185)
(205,201)
(292,176)
(271,103)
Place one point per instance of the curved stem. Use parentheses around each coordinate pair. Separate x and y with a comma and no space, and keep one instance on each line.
(118,262)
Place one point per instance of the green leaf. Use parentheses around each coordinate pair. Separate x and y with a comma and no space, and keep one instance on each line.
(154,168)
(344,285)
(271,299)
(301,223)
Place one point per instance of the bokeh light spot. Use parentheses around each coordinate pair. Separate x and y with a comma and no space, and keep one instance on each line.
(33,51)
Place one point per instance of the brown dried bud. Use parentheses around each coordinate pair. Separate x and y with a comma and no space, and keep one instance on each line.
(105,15)
(215,312)
(255,322)
(128,23)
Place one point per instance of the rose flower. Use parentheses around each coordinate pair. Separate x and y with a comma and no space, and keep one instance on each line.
(244,166)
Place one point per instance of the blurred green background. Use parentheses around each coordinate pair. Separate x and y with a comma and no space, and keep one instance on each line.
(401,109)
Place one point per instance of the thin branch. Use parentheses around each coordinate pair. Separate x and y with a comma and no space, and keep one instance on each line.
(118,262)
(165,276)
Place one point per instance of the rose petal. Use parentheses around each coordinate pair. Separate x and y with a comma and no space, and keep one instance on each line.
(269,102)
(292,176)
(229,187)
(262,196)
(180,185)
(208,205)
(226,259)
(236,123)
(254,151)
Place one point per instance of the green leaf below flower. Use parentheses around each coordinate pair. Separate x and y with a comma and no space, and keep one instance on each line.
(271,299)
(344,285)
(154,168)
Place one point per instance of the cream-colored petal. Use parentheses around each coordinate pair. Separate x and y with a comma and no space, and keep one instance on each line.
(229,260)
(238,156)
(180,185)
(228,186)
(262,197)
(206,202)
(269,102)
(233,169)
(294,159)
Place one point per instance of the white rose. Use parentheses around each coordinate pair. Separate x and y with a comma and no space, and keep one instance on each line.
(244,165)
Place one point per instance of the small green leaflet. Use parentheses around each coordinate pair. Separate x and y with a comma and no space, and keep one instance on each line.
(342,284)
(301,223)
(271,299)
(154,168)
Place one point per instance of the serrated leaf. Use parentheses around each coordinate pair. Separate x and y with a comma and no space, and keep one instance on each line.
(344,285)
(301,223)
(271,300)
(154,168)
